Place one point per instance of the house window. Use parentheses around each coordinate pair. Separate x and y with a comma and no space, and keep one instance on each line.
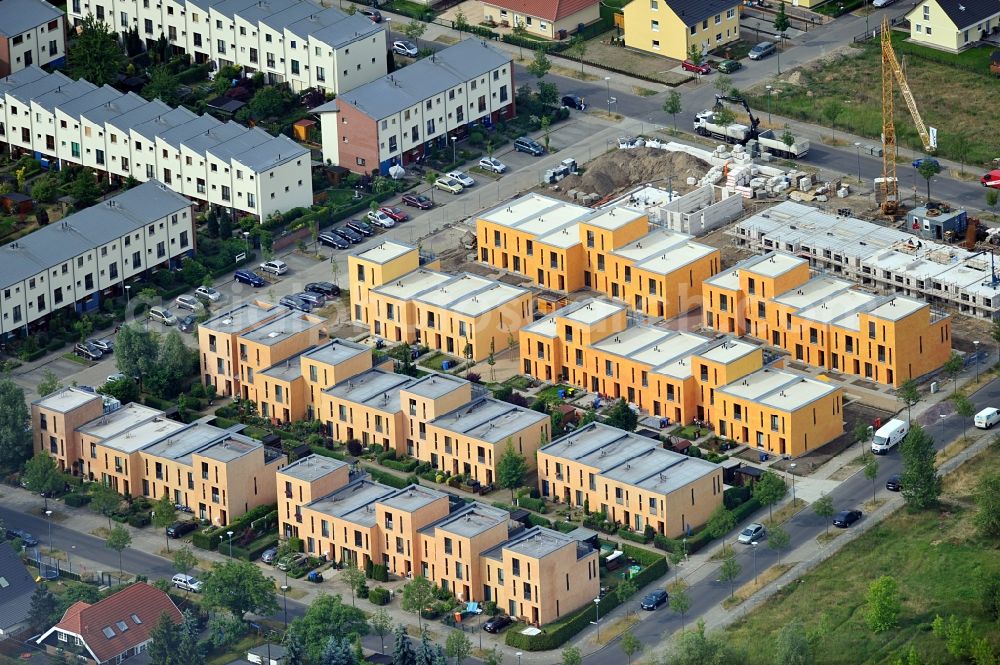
(654,5)
(656,44)
(655,25)
(927,12)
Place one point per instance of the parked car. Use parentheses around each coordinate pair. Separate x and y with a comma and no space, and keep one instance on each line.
(248,277)
(189,303)
(328,289)
(448,185)
(689,66)
(987,418)
(208,293)
(374,14)
(762,50)
(187,323)
(417,201)
(894,483)
(104,344)
(274,266)
(117,376)
(573,102)
(991,179)
(88,351)
(335,240)
(653,599)
(290,561)
(315,300)
(186,582)
(379,218)
(529,145)
(405,47)
(292,301)
(362,227)
(920,161)
(464,179)
(178,529)
(497,623)
(25,537)
(350,235)
(754,532)
(492,164)
(268,555)
(162,315)
(846,518)
(397,214)
(729,66)
(882,3)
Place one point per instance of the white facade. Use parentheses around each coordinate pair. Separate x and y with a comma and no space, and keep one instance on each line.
(85,254)
(293,41)
(32,32)
(225,164)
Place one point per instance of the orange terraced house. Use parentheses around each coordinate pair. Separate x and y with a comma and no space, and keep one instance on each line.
(401,299)
(828,322)
(476,551)
(680,376)
(613,250)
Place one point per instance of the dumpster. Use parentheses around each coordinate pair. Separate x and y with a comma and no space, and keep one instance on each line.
(315,576)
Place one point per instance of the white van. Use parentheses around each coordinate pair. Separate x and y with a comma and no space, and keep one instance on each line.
(889,435)
(187,583)
(987,418)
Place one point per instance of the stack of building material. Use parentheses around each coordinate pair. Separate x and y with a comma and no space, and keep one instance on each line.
(738,181)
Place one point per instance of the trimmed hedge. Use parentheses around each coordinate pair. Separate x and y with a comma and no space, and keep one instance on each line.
(204,539)
(390,479)
(254,549)
(538,520)
(76,500)
(743,511)
(379,596)
(406,466)
(209,539)
(628,534)
(532,504)
(138,520)
(324,452)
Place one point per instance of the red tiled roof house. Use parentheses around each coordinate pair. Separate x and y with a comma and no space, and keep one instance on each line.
(544,18)
(111,630)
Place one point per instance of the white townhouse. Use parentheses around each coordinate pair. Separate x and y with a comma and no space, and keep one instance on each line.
(408,113)
(32,32)
(293,41)
(90,254)
(62,121)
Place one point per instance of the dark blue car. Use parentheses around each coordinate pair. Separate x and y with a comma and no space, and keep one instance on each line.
(248,277)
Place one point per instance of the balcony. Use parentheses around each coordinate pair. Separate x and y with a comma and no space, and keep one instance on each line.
(288,494)
(527,594)
(204,475)
(211,347)
(215,498)
(118,469)
(559,475)
(298,517)
(481,459)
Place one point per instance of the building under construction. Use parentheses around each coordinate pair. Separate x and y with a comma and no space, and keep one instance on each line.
(883,259)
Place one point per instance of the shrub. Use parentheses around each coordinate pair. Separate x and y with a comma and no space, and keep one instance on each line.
(388,454)
(389,479)
(354,448)
(742,511)
(379,596)
(628,534)
(532,504)
(379,573)
(538,520)
(400,465)
(203,539)
(76,500)
(734,496)
(138,520)
(663,543)
(256,548)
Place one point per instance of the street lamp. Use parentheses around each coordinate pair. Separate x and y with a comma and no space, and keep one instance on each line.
(976,345)
(69,556)
(791,470)
(607,79)
(246,239)
(230,534)
(519,654)
(769,89)
(597,622)
(454,147)
(754,544)
(48,517)
(284,595)
(857,148)
(128,297)
(685,541)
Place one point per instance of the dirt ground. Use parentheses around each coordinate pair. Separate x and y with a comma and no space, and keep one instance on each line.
(621,170)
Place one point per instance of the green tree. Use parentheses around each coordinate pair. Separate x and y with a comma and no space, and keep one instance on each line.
(578,47)
(965,410)
(778,540)
(987,497)
(921,484)
(511,468)
(415,30)
(548,93)
(83,327)
(84,189)
(95,54)
(823,507)
(992,197)
(43,607)
(493,657)
(354,577)
(164,514)
(769,490)
(831,111)
(184,560)
(871,473)
(458,646)
(625,590)
(240,587)
(720,523)
(491,360)
(118,540)
(630,645)
(461,22)
(540,65)
(294,649)
(622,416)
(164,642)
(672,106)
(174,361)
(326,615)
(402,652)
(136,351)
(953,367)
(788,138)
(337,651)
(162,85)
(520,32)
(724,117)
(908,394)
(698,648)
(960,147)
(989,593)
(571,656)
(267,102)
(680,601)
(104,500)
(927,169)
(882,604)
(729,571)
(781,24)
(791,646)
(41,475)
(44,190)
(546,122)
(49,383)
(15,439)
(418,594)
(381,624)
(695,54)
(723,84)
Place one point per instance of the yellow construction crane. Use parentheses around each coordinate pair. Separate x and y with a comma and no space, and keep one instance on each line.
(891,70)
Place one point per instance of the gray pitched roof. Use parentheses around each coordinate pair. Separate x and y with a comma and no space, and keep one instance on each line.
(966,13)
(692,11)
(15,594)
(18,16)
(425,78)
(87,229)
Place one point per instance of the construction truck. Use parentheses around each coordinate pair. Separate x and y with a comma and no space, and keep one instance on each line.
(705,125)
(770,143)
(757,141)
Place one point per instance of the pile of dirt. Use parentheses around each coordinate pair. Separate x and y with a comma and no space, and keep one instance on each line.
(621,170)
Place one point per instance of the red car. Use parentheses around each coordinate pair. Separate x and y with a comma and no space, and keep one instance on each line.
(395,214)
(418,201)
(689,66)
(991,179)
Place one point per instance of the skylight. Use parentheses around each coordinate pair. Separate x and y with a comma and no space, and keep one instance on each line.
(108,631)
(136,619)
(122,626)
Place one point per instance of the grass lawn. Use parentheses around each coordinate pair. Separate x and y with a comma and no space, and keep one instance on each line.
(690,432)
(518,382)
(936,79)
(935,556)
(551,394)
(434,361)
(734,51)
(407,8)
(75,358)
(233,652)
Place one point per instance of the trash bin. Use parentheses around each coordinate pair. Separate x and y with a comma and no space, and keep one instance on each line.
(764,457)
(446,365)
(562,33)
(562,394)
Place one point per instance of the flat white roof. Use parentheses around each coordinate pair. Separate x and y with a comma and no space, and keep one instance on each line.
(614,218)
(385,251)
(535,214)
(669,349)
(897,308)
(778,389)
(66,399)
(143,435)
(413,284)
(651,244)
(815,290)
(775,264)
(588,311)
(630,340)
(728,351)
(834,306)
(676,258)
(486,299)
(545,326)
(563,238)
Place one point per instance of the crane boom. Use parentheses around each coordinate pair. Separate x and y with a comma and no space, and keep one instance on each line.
(904,88)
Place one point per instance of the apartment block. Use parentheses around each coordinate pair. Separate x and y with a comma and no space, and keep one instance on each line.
(137,451)
(89,255)
(615,251)
(826,321)
(474,550)
(677,376)
(395,119)
(61,121)
(631,479)
(32,32)
(880,258)
(290,41)
(462,315)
